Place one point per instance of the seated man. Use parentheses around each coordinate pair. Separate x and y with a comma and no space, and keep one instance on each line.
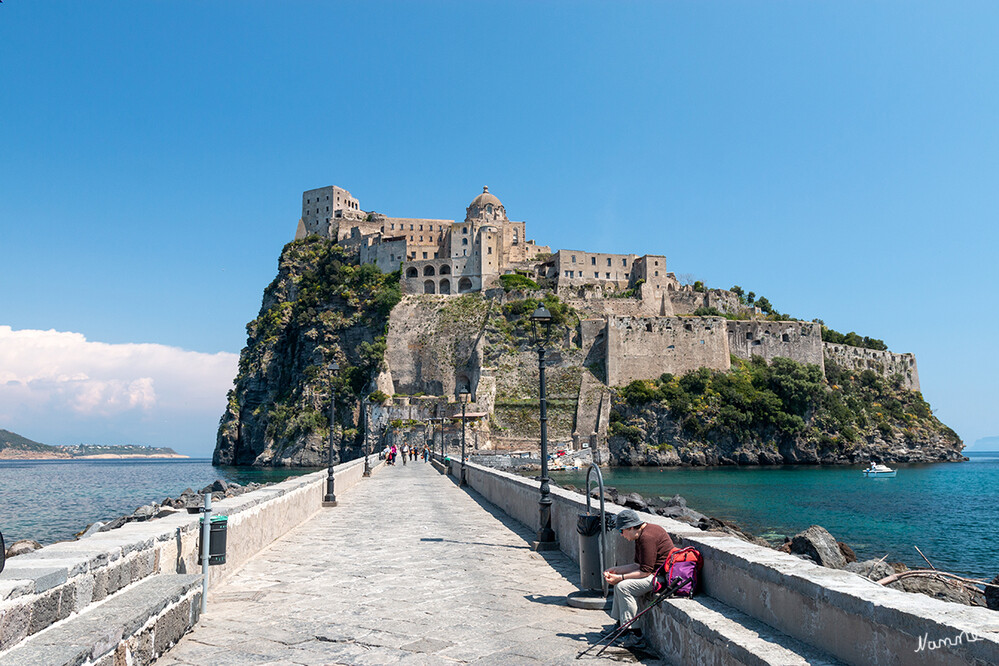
(652,546)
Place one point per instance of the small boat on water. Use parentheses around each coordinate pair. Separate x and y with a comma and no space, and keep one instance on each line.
(877,470)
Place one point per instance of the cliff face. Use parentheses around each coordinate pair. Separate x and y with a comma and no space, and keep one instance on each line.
(321,307)
(780,413)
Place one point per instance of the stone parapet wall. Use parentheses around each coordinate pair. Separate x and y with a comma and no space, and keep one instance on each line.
(885,363)
(54,583)
(849,618)
(797,340)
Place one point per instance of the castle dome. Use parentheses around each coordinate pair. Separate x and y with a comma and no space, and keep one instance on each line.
(485,198)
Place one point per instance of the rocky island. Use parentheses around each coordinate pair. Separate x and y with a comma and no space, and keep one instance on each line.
(641,369)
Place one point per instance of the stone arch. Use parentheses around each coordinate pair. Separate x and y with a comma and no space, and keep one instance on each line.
(429,287)
(412,272)
(464,241)
(445,286)
(464,285)
(428,270)
(445,270)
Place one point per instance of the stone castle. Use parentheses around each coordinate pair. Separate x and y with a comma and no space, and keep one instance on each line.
(635,316)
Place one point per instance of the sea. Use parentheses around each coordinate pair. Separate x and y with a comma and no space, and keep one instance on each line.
(52,500)
(949,510)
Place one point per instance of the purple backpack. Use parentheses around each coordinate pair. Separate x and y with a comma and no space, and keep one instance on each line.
(682,565)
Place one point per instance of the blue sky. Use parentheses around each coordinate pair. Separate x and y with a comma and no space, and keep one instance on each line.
(839,158)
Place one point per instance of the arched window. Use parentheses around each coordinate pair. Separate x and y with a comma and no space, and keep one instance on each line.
(445,270)
(464,230)
(445,286)
(412,272)
(428,287)
(428,270)
(464,241)
(489,208)
(464,285)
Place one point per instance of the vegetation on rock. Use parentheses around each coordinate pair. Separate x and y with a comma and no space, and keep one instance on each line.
(784,408)
(321,307)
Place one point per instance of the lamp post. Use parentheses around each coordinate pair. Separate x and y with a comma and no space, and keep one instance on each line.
(330,498)
(541,323)
(463,396)
(367,444)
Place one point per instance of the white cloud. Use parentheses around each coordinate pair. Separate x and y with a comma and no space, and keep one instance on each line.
(59,385)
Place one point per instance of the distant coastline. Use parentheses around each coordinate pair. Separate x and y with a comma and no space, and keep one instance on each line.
(15,454)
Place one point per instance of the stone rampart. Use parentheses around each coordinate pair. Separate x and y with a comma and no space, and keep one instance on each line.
(646,347)
(841,614)
(797,340)
(54,584)
(685,300)
(885,363)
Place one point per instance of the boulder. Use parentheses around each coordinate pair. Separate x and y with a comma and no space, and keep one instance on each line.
(675,500)
(144,512)
(634,501)
(23,546)
(992,594)
(91,529)
(114,524)
(935,588)
(847,552)
(818,545)
(873,569)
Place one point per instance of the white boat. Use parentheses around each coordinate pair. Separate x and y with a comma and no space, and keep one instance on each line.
(877,470)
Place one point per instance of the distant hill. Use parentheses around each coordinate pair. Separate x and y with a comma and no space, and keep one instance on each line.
(986,444)
(14,446)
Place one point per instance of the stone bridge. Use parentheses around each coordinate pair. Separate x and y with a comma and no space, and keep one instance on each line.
(412,568)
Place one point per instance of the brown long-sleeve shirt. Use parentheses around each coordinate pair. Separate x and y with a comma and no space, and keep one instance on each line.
(652,547)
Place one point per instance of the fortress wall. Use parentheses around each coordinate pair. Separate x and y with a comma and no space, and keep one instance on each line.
(796,340)
(646,347)
(686,300)
(885,363)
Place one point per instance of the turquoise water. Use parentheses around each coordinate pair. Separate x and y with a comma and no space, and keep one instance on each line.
(51,500)
(949,510)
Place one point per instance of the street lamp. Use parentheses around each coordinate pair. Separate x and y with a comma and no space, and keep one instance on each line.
(367,444)
(541,324)
(463,397)
(330,498)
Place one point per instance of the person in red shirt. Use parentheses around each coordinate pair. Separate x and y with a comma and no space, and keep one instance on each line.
(630,581)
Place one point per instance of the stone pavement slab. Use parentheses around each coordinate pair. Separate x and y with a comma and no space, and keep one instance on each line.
(408,569)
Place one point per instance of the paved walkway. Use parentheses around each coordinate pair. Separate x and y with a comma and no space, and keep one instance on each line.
(408,569)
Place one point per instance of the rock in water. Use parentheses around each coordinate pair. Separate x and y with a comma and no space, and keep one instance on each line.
(23,546)
(992,595)
(873,569)
(817,544)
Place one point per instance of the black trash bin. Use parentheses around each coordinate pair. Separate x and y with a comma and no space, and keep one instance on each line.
(216,540)
(590,574)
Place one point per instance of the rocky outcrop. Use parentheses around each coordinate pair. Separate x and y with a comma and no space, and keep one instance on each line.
(781,413)
(320,308)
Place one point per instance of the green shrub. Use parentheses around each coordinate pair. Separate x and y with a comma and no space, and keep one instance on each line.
(514,281)
(378,396)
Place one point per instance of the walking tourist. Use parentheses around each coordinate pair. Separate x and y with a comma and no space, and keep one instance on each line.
(405,452)
(630,581)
